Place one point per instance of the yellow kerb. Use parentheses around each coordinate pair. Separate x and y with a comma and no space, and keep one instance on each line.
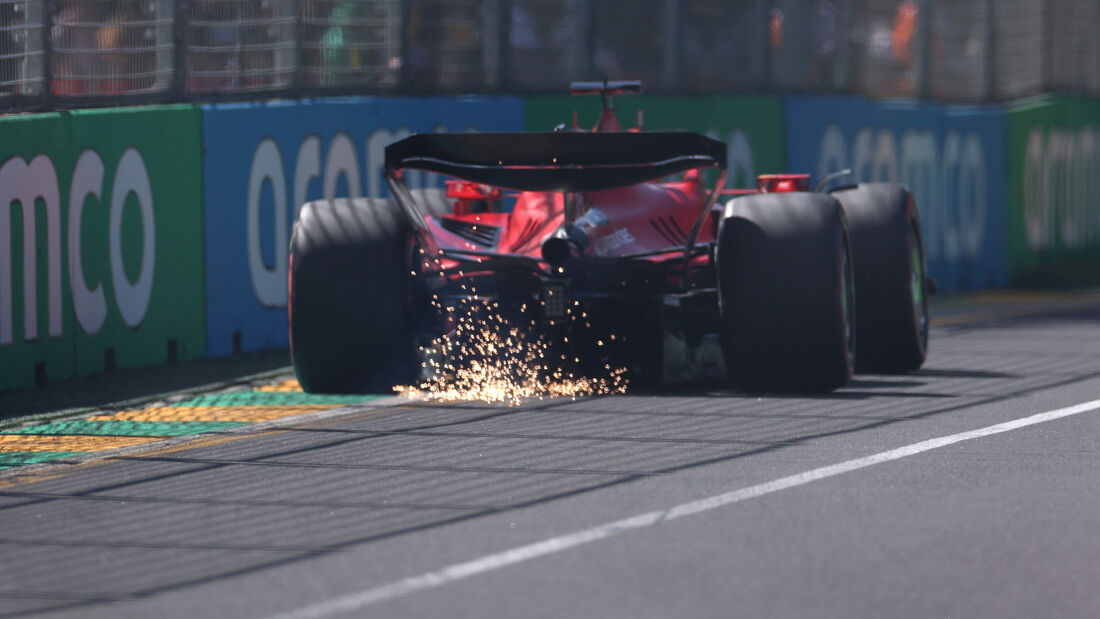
(245,414)
(38,442)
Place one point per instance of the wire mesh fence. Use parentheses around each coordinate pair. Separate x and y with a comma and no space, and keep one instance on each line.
(22,57)
(1074,51)
(1017,68)
(449,45)
(717,51)
(73,53)
(350,44)
(958,63)
(802,42)
(241,46)
(545,42)
(110,48)
(631,39)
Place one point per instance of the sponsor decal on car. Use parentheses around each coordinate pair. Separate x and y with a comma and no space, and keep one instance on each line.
(611,242)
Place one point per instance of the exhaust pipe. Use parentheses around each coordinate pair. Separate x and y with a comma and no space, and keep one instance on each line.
(570,240)
(558,249)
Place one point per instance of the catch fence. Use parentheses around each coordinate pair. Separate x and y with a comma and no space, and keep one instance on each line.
(77,53)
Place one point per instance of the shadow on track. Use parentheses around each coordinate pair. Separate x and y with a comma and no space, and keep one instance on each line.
(183,519)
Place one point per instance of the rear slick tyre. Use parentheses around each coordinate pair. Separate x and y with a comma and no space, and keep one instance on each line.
(891,288)
(786,297)
(349,295)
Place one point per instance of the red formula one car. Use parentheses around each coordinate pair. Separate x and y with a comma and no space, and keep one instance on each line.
(574,233)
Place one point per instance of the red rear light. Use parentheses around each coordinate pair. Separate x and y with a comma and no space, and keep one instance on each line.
(783,183)
(464,190)
(471,197)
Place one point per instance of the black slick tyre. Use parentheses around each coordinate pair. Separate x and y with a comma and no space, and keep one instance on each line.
(891,288)
(786,293)
(349,296)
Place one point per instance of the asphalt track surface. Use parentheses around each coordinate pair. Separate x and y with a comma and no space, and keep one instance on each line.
(691,502)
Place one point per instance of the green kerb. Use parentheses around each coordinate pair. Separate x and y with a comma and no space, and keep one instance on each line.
(273,398)
(22,458)
(126,428)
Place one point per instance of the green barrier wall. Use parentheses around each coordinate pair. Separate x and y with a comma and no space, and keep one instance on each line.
(752,127)
(1054,191)
(117,232)
(34,158)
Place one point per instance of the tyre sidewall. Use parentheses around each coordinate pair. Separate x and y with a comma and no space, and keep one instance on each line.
(780,288)
(884,226)
(349,295)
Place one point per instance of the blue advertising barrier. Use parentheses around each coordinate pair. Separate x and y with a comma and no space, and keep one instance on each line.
(951,157)
(263,160)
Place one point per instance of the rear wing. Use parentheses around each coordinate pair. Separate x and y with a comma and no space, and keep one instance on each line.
(605,88)
(558,161)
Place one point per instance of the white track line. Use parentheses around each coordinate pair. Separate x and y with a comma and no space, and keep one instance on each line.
(499,560)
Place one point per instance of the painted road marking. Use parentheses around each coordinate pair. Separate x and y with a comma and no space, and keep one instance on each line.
(489,563)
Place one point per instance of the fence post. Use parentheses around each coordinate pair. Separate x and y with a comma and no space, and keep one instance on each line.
(1046,51)
(47,55)
(989,83)
(299,27)
(582,54)
(179,33)
(494,55)
(404,78)
(762,58)
(922,66)
(843,72)
(673,37)
(505,56)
